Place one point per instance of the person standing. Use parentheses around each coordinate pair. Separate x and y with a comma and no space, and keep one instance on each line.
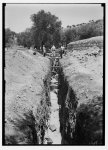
(62,51)
(44,51)
(53,50)
(62,47)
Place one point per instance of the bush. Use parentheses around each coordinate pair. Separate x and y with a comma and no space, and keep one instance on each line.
(9,37)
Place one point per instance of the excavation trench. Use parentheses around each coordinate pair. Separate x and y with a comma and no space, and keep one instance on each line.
(57,117)
(52,134)
(67,101)
(70,123)
(50,120)
(61,123)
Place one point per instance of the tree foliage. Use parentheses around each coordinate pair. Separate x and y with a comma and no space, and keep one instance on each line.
(46,29)
(9,37)
(82,31)
(25,38)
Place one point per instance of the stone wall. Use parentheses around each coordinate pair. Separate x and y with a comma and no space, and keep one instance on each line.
(86,43)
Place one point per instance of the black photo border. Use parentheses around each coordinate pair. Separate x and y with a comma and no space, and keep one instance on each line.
(3,74)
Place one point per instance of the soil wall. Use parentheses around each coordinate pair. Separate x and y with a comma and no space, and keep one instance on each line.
(81,96)
(27,99)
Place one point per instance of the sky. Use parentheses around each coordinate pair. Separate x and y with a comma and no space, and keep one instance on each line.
(17,16)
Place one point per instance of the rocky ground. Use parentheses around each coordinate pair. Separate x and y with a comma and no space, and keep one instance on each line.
(83,71)
(85,63)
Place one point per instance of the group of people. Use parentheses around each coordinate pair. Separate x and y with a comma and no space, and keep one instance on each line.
(53,50)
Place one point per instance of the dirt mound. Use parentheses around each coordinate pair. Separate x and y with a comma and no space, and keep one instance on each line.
(83,71)
(25,76)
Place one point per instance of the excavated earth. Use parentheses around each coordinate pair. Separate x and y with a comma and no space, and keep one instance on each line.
(27,96)
(81,93)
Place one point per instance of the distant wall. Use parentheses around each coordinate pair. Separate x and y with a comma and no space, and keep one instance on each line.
(86,43)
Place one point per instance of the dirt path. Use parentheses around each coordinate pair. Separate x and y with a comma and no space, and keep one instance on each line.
(53,135)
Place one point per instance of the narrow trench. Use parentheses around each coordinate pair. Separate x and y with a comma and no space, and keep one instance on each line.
(61,125)
(52,134)
(68,123)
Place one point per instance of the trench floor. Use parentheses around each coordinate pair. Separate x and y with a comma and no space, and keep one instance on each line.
(53,135)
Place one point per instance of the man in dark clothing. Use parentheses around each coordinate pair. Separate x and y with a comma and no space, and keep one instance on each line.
(44,51)
(61,52)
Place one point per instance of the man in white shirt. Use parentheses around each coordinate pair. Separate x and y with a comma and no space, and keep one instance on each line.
(62,48)
(53,50)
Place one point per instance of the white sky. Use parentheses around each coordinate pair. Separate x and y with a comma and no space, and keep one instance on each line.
(17,16)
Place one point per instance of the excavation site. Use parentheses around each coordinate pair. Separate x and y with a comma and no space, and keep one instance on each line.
(55,100)
(53,80)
